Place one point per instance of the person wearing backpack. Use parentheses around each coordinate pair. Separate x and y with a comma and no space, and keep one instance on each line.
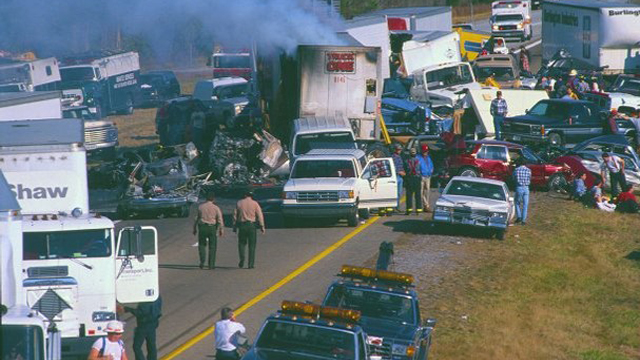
(110,347)
(147,320)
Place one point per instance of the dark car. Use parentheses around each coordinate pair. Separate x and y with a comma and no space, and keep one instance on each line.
(157,86)
(390,311)
(403,116)
(496,160)
(306,331)
(556,122)
(562,63)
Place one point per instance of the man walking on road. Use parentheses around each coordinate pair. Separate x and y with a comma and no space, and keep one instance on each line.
(400,173)
(413,182)
(226,335)
(147,317)
(247,218)
(208,226)
(522,176)
(426,169)
(499,111)
(615,166)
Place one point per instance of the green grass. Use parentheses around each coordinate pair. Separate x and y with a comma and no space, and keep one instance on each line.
(565,288)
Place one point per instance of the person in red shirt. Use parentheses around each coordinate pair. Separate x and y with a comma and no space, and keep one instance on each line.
(626,201)
(626,195)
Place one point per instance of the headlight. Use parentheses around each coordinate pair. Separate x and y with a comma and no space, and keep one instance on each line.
(398,349)
(519,26)
(113,135)
(495,27)
(346,194)
(498,216)
(103,316)
(89,100)
(291,195)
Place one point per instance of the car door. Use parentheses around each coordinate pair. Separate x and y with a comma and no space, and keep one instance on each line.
(137,265)
(583,125)
(378,185)
(493,161)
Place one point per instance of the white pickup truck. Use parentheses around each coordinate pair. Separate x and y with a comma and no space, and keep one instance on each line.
(338,183)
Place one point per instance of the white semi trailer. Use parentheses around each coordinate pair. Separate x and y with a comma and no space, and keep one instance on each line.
(73,268)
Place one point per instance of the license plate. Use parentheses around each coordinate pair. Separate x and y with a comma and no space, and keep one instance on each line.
(517,138)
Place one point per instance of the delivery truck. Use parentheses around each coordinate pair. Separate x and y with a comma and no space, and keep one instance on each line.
(73,268)
(106,82)
(604,34)
(32,75)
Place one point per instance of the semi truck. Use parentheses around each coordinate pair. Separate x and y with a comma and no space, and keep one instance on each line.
(106,82)
(73,268)
(23,330)
(32,75)
(605,35)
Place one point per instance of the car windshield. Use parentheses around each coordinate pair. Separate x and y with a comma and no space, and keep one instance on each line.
(67,244)
(301,338)
(450,76)
(509,17)
(150,79)
(501,73)
(323,168)
(77,73)
(22,342)
(627,85)
(374,304)
(475,189)
(334,140)
(231,62)
(231,91)
(82,113)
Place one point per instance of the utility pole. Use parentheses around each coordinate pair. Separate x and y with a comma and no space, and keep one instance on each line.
(471,6)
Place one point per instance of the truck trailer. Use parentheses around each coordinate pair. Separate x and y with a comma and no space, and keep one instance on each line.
(606,35)
(32,75)
(73,268)
(107,83)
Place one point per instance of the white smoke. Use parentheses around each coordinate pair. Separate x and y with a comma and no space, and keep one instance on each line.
(59,27)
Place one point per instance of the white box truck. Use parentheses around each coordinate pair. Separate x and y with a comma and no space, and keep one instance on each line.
(74,269)
(33,75)
(23,330)
(603,34)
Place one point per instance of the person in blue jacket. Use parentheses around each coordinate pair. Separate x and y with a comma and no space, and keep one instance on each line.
(426,166)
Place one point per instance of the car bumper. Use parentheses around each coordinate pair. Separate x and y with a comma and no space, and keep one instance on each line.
(524,138)
(156,204)
(319,210)
(447,218)
(508,33)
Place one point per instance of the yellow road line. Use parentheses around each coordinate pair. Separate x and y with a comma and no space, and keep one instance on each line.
(196,339)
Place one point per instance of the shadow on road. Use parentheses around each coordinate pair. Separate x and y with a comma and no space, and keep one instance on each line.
(634,255)
(408,225)
(421,226)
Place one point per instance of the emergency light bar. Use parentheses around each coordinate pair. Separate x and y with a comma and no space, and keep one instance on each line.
(318,311)
(383,275)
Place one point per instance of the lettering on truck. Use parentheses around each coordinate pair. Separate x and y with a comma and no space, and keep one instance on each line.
(125,80)
(343,62)
(624,12)
(556,18)
(22,192)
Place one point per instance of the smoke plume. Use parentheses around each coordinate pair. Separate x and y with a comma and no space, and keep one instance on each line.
(163,27)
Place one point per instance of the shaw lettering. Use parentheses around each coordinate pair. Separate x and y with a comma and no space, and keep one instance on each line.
(22,192)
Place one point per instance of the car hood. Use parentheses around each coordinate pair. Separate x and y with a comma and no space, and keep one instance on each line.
(461,201)
(320,184)
(624,99)
(389,330)
(531,119)
(450,92)
(507,22)
(94,124)
(400,104)
(267,354)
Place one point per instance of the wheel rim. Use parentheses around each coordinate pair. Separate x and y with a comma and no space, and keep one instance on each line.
(468,172)
(557,183)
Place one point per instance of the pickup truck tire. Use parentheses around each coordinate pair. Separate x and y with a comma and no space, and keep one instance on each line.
(557,183)
(469,171)
(555,139)
(354,219)
(500,234)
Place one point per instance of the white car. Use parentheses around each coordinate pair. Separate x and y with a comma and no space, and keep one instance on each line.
(339,184)
(625,92)
(475,202)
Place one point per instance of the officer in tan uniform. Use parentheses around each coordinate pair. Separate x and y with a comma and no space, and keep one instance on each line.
(247,218)
(208,225)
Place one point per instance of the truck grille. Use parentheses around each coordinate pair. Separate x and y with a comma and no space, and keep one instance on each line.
(384,350)
(317,196)
(96,136)
(507,27)
(519,128)
(50,305)
(479,215)
(48,271)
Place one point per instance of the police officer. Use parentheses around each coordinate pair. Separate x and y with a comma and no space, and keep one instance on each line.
(209,225)
(147,318)
(247,218)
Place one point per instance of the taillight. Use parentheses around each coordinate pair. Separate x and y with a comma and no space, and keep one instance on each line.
(542,130)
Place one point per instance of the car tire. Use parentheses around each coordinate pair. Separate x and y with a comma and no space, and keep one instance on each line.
(555,139)
(469,171)
(500,234)
(364,214)
(557,183)
(354,219)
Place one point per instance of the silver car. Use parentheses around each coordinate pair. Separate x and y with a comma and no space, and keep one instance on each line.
(476,202)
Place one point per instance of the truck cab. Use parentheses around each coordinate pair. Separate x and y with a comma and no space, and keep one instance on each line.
(444,84)
(233,90)
(389,308)
(334,183)
(320,132)
(308,331)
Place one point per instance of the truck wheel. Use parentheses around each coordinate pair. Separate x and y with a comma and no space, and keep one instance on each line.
(557,183)
(354,219)
(555,139)
(469,171)
(364,213)
(500,234)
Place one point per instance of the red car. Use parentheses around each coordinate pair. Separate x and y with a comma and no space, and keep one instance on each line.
(495,160)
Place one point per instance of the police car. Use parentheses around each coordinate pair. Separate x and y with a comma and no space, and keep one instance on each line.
(309,331)
(390,311)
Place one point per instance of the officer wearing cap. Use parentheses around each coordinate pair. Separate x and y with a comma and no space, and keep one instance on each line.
(208,225)
(110,347)
(247,218)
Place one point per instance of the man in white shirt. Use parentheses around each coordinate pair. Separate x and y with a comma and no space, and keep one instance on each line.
(615,166)
(110,347)
(225,334)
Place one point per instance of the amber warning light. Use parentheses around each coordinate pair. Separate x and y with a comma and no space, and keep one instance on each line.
(317,311)
(382,275)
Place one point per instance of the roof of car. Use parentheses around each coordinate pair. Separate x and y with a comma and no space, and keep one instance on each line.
(327,323)
(357,153)
(377,286)
(497,142)
(231,80)
(478,180)
(569,101)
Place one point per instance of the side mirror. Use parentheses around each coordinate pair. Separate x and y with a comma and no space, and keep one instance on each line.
(430,323)
(139,253)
